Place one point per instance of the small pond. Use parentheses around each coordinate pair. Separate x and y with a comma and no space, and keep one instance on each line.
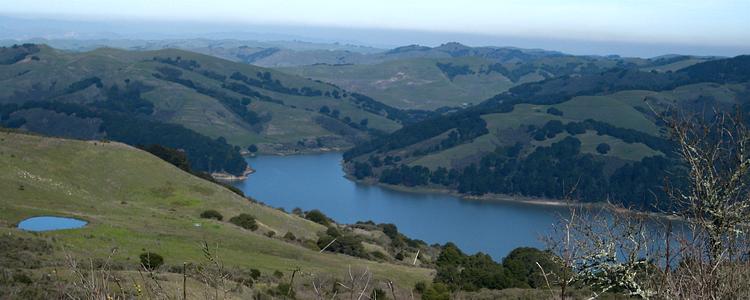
(47,223)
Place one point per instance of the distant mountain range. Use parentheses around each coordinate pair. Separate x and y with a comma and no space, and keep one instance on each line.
(410,77)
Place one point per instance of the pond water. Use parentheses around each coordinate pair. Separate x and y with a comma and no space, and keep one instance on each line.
(317,182)
(47,223)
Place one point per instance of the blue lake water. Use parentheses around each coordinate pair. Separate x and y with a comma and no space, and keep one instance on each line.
(318,182)
(47,223)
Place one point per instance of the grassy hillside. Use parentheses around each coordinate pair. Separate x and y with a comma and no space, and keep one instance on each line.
(256,105)
(415,83)
(135,202)
(597,132)
(456,75)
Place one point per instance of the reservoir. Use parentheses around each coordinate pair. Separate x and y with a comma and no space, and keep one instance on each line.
(317,182)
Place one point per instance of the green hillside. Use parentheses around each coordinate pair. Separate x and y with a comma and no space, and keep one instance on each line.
(134,202)
(597,134)
(454,75)
(104,93)
(416,83)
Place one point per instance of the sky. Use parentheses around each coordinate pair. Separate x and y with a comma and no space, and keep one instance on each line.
(720,24)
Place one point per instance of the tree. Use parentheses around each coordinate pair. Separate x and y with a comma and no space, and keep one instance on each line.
(318,217)
(151,261)
(701,257)
(212,214)
(245,221)
(602,148)
(252,148)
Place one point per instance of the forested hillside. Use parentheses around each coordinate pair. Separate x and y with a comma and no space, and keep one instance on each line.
(598,136)
(208,107)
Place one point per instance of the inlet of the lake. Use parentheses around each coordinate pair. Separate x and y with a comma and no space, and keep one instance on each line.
(317,182)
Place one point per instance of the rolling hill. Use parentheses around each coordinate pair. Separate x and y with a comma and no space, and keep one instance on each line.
(183,100)
(596,132)
(135,202)
(455,75)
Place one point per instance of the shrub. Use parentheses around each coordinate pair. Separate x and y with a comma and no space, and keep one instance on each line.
(284,290)
(318,217)
(212,214)
(603,148)
(252,148)
(554,111)
(346,244)
(378,255)
(255,273)
(378,293)
(333,232)
(151,261)
(420,287)
(400,256)
(437,291)
(278,274)
(270,234)
(22,277)
(245,221)
(290,236)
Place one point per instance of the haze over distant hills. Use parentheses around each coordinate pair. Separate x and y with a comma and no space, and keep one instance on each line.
(28,27)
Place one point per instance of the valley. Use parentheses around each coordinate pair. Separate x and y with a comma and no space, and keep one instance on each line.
(374,150)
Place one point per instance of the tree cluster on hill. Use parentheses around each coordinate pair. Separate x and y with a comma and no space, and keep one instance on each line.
(550,172)
(451,71)
(236,106)
(468,126)
(554,127)
(379,108)
(204,153)
(473,272)
(16,53)
(266,81)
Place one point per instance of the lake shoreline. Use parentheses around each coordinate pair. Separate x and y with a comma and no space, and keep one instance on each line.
(499,198)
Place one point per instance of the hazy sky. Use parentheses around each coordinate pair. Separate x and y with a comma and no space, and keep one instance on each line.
(722,23)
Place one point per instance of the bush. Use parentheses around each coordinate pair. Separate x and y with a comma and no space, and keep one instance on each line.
(245,221)
(378,255)
(22,277)
(278,274)
(284,290)
(270,234)
(437,291)
(378,293)
(252,148)
(602,148)
(212,214)
(347,244)
(290,236)
(554,111)
(151,261)
(255,273)
(420,287)
(318,217)
(333,232)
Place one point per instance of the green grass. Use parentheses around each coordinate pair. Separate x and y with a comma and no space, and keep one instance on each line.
(620,149)
(413,83)
(618,109)
(174,103)
(136,202)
